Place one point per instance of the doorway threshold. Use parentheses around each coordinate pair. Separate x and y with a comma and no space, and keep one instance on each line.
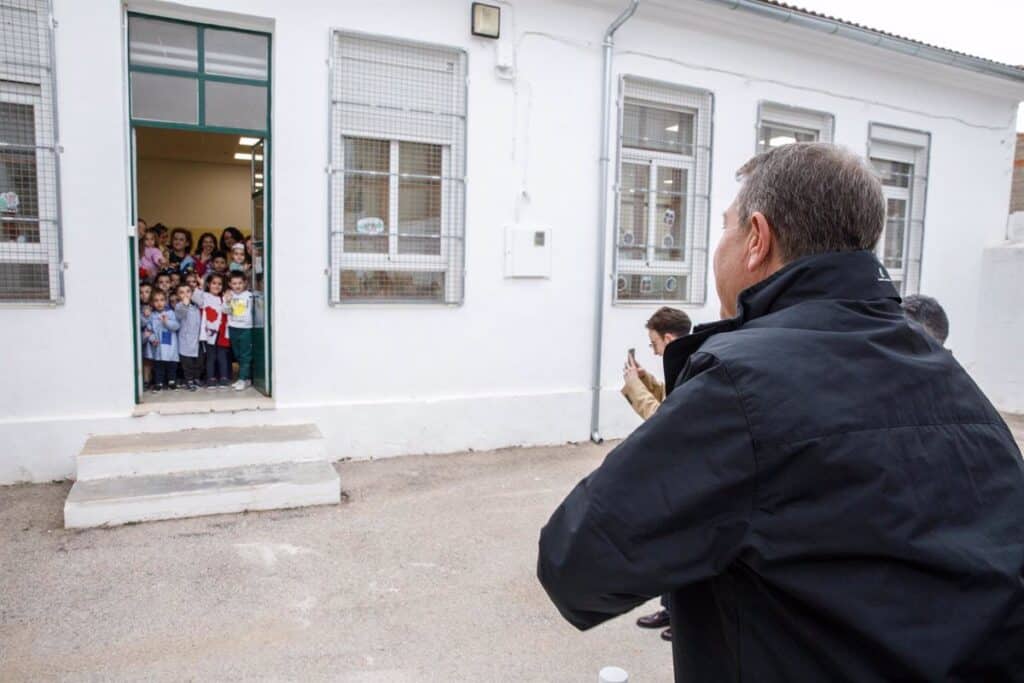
(180,402)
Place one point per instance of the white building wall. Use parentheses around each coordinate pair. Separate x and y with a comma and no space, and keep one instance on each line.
(512,365)
(1000,366)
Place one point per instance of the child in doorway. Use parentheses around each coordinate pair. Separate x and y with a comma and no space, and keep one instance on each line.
(163,238)
(213,334)
(172,290)
(219,264)
(189,321)
(163,284)
(145,310)
(151,259)
(180,257)
(238,305)
(238,259)
(164,342)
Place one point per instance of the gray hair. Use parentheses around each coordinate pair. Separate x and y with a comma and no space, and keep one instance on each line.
(926,312)
(817,198)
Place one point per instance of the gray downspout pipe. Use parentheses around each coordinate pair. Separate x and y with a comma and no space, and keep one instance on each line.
(602,227)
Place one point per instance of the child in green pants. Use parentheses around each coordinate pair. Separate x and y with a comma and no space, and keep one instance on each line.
(238,306)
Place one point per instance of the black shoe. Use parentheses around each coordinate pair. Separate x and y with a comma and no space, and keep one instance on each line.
(667,635)
(157,388)
(192,386)
(171,386)
(657,620)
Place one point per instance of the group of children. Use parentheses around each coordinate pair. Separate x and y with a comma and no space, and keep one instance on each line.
(196,309)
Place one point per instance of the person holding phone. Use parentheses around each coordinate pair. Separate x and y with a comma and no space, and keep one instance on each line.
(644,391)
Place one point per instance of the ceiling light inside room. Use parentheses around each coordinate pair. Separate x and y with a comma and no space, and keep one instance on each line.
(248,142)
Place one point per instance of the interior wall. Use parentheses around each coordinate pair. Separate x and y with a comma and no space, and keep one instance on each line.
(195,195)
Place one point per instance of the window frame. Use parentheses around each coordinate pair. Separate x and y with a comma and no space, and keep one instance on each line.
(699,103)
(650,264)
(37,251)
(392,259)
(49,249)
(797,119)
(201,77)
(452,207)
(897,193)
(913,147)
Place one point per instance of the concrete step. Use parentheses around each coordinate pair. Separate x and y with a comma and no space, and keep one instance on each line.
(120,500)
(188,450)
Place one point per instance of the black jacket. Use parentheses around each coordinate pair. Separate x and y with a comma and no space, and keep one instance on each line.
(825,493)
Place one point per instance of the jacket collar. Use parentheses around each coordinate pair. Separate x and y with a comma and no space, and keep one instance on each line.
(849,275)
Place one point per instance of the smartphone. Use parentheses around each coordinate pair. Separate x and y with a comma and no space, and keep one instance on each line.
(632,356)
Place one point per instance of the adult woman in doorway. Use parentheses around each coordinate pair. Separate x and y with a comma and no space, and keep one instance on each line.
(230,235)
(204,252)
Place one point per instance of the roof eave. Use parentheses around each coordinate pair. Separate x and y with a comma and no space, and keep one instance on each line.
(868,36)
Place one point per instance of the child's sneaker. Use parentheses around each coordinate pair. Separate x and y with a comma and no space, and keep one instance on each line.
(171,386)
(211,386)
(240,385)
(224,384)
(192,386)
(157,388)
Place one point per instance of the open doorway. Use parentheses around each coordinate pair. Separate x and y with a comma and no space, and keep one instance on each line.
(199,199)
(199,116)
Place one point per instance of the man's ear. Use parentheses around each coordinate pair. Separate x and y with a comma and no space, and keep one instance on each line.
(760,242)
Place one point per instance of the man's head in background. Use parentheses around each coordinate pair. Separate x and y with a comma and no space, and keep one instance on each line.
(794,201)
(665,326)
(926,312)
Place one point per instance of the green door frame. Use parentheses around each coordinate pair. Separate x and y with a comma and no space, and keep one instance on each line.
(202,78)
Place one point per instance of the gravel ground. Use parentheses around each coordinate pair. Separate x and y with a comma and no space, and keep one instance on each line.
(424,573)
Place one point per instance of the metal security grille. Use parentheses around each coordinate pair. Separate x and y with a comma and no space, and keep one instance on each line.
(30,244)
(900,156)
(662,192)
(397,171)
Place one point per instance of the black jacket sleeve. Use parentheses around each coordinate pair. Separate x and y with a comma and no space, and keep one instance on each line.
(671,505)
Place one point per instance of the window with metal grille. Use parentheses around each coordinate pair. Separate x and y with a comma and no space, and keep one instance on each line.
(30,243)
(397,171)
(900,157)
(662,192)
(781,124)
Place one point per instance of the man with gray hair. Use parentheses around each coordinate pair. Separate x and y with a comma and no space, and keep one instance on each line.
(929,314)
(824,493)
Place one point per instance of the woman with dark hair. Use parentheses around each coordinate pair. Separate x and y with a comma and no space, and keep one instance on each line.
(204,252)
(230,235)
(180,256)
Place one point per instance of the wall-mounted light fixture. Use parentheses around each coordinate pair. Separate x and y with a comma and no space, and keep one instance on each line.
(486,20)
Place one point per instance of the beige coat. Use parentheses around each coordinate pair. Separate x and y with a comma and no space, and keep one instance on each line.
(644,394)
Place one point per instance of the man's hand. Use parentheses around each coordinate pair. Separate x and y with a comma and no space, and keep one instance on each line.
(630,372)
(631,363)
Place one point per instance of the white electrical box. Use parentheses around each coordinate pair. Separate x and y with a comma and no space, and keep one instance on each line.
(527,252)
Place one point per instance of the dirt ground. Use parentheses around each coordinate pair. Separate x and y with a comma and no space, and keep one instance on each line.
(425,573)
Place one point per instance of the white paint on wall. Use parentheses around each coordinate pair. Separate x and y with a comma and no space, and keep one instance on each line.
(512,365)
(1000,332)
